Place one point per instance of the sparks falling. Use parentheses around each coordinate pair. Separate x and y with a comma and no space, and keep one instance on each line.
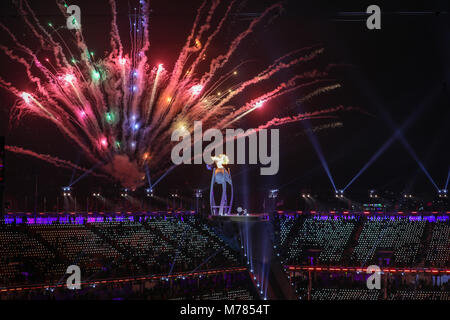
(121,111)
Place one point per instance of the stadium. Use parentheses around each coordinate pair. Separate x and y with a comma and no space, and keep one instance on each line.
(335,188)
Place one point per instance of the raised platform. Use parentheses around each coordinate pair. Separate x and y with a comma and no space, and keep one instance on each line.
(255,217)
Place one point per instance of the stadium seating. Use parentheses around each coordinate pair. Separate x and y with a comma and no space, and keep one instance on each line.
(228,295)
(420,295)
(402,236)
(438,253)
(352,241)
(329,236)
(345,294)
(285,227)
(42,252)
(39,253)
(78,245)
(196,245)
(138,242)
(24,259)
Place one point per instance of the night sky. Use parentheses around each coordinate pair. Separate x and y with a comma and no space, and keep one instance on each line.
(397,74)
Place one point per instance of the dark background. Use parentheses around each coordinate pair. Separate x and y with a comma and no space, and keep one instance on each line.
(389,73)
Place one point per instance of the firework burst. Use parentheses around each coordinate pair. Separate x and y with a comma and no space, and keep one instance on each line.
(120,111)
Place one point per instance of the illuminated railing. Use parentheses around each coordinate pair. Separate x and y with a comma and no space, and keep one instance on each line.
(87,217)
(127,279)
(434,271)
(366,213)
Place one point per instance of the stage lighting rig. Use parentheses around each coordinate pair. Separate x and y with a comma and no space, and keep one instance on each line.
(373,194)
(67,191)
(96,195)
(339,193)
(407,196)
(443,193)
(149,192)
(124,193)
(273,194)
(198,193)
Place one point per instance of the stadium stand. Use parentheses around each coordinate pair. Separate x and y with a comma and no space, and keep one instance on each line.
(329,237)
(420,295)
(345,294)
(362,241)
(438,254)
(37,252)
(41,252)
(78,245)
(399,235)
(24,259)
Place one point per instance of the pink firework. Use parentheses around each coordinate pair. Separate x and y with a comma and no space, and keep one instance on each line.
(121,111)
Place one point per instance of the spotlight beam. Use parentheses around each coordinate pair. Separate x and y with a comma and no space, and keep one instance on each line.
(164,174)
(149,179)
(430,151)
(85,174)
(448,178)
(377,154)
(394,137)
(321,156)
(74,170)
(407,146)
(318,149)
(207,259)
(416,158)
